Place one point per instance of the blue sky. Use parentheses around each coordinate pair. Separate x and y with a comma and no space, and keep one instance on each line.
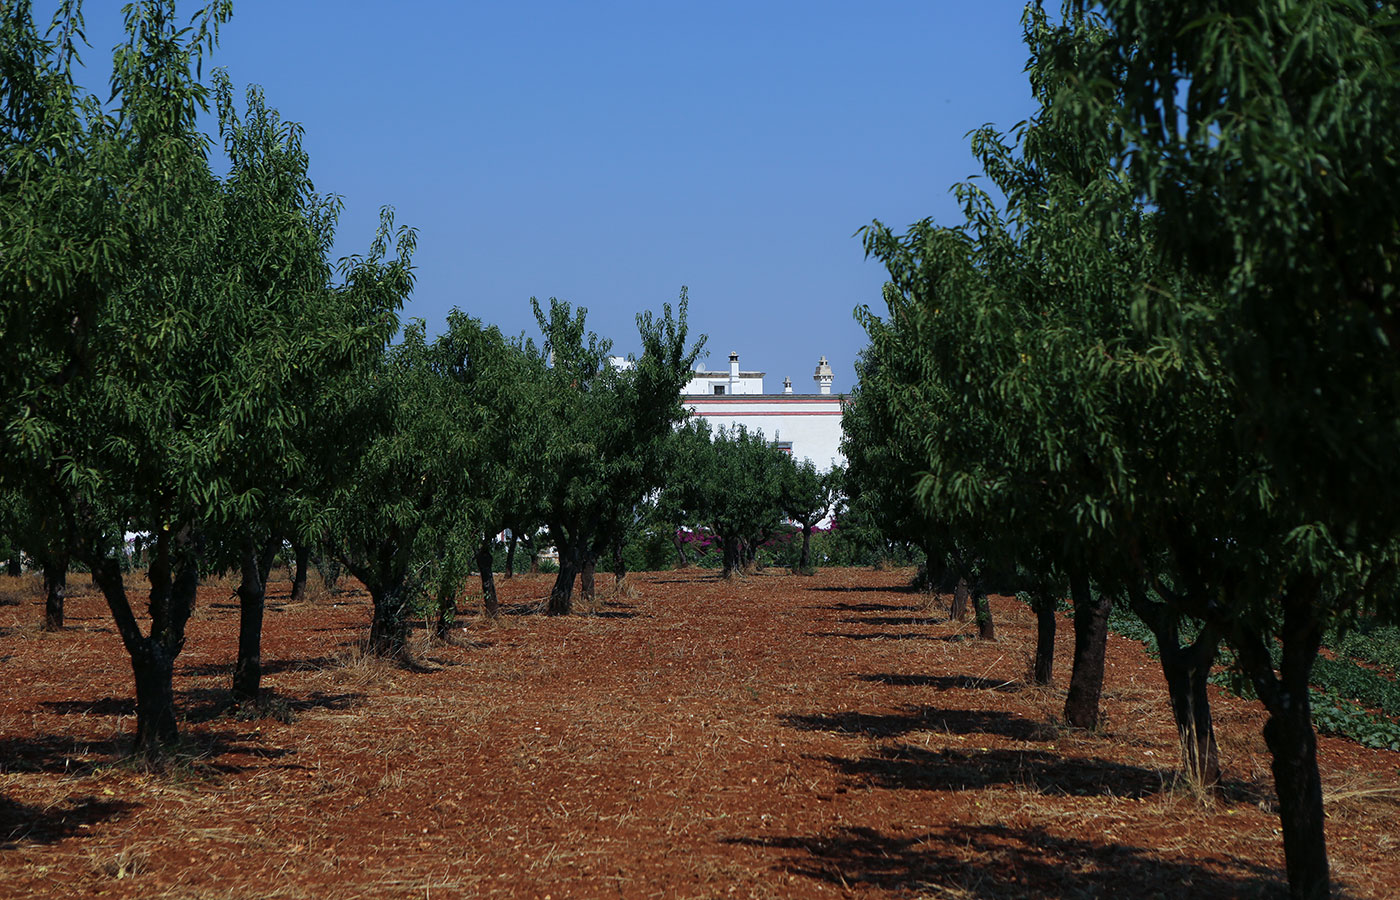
(607,153)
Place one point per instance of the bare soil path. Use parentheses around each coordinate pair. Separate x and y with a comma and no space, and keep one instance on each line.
(830,736)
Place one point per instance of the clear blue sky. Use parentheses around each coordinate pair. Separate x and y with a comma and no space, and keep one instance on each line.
(607,153)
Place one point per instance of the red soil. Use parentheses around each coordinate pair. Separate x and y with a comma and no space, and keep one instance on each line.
(776,737)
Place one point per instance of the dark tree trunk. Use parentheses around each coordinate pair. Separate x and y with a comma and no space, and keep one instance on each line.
(446,611)
(137,548)
(1187,673)
(586,576)
(156,727)
(534,548)
(1090,645)
(269,558)
(330,573)
(681,559)
(804,562)
(14,568)
(958,611)
(1293,743)
(484,561)
(986,629)
(303,559)
(388,630)
(1291,740)
(510,555)
(152,657)
(561,598)
(55,590)
(252,594)
(1187,670)
(1045,621)
(731,557)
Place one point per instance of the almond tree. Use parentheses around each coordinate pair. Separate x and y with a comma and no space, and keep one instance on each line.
(408,482)
(1264,134)
(808,496)
(607,424)
(1071,421)
(144,361)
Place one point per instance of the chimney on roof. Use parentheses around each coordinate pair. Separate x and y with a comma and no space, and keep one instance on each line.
(734,372)
(787,385)
(823,376)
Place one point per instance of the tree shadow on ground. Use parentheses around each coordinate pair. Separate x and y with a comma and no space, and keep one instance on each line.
(905,767)
(270,667)
(924,718)
(866,589)
(539,607)
(21,823)
(943,682)
(869,607)
(895,620)
(198,751)
(892,636)
(202,704)
(999,862)
(207,704)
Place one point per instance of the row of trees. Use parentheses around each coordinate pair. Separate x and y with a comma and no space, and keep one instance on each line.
(741,489)
(188,366)
(168,329)
(1162,367)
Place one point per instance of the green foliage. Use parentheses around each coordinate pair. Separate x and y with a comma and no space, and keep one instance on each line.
(1333,714)
(1344,678)
(1378,645)
(608,423)
(649,550)
(729,483)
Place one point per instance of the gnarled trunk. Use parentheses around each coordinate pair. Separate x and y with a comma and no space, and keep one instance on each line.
(681,559)
(14,567)
(485,559)
(156,727)
(1187,673)
(1090,645)
(388,630)
(986,630)
(586,577)
(55,590)
(446,611)
(303,560)
(510,555)
(252,601)
(958,610)
(804,562)
(732,557)
(561,597)
(252,593)
(152,657)
(1290,738)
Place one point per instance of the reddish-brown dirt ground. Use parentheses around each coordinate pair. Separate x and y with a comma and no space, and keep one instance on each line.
(781,736)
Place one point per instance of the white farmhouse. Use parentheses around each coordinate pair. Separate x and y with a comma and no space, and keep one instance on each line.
(806,425)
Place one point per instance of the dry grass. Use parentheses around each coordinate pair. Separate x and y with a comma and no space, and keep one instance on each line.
(16,590)
(128,862)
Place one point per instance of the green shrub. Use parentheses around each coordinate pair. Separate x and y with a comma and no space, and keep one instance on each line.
(1378,645)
